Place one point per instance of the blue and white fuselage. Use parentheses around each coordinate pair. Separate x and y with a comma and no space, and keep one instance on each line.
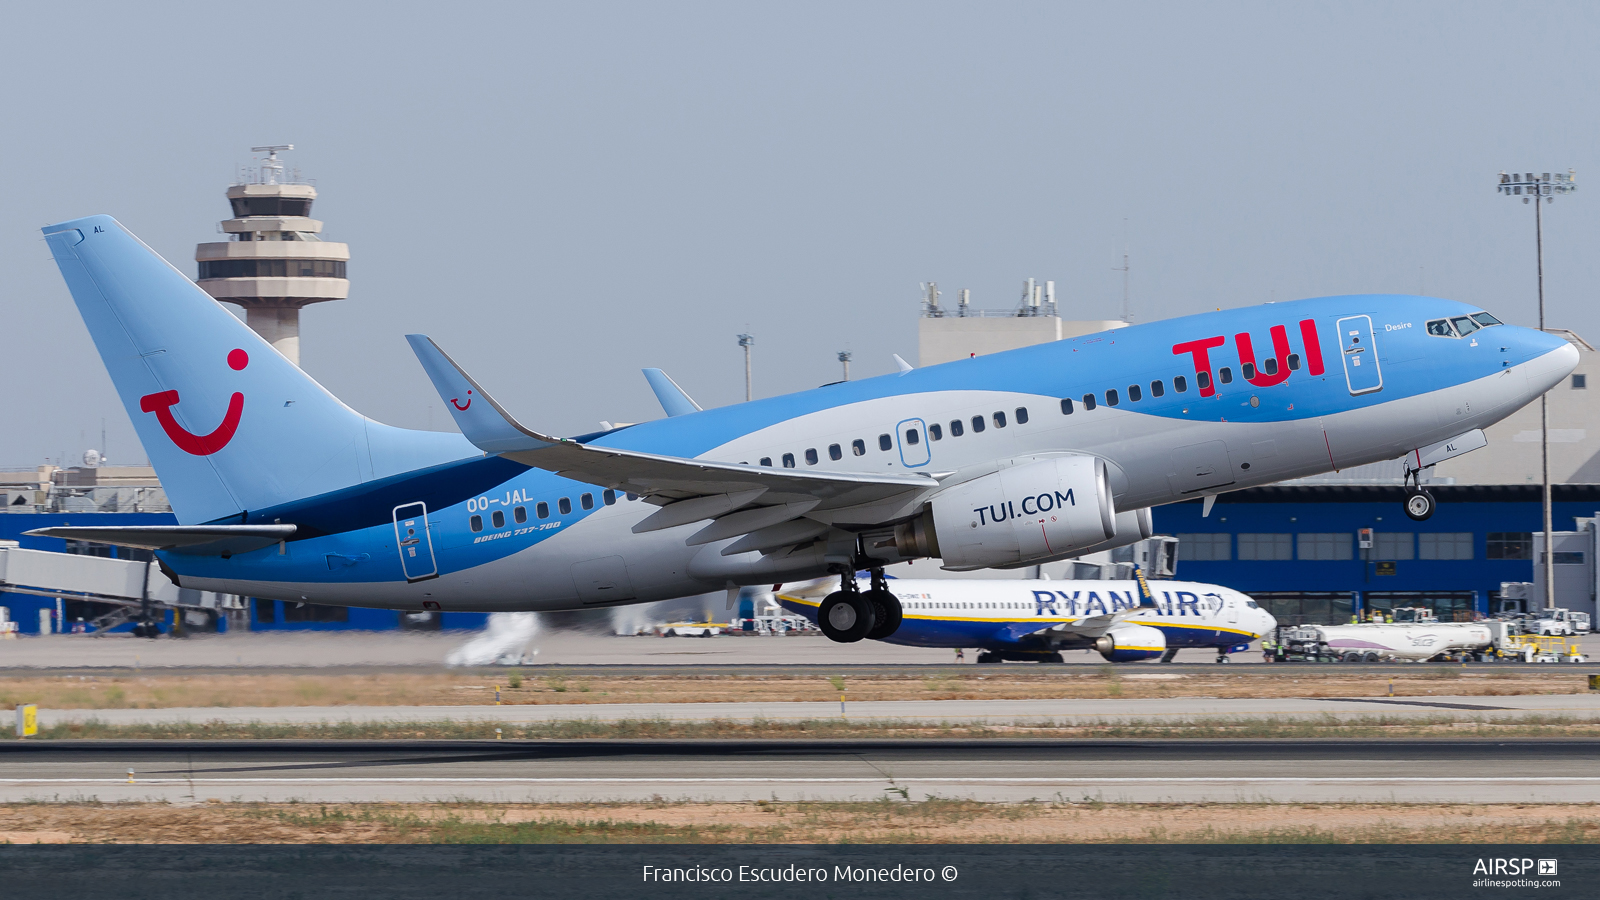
(1033,620)
(1012,459)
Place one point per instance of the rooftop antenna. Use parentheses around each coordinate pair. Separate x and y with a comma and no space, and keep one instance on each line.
(1124,269)
(271,167)
(930,300)
(966,297)
(844,357)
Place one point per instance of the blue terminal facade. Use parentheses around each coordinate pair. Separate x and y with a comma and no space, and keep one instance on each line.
(1296,549)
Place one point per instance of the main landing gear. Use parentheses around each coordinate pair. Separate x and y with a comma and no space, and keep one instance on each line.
(850,614)
(1419,503)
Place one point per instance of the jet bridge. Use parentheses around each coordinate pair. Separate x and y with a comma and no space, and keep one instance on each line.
(128,590)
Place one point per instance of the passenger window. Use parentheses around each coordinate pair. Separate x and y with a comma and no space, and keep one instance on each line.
(609,497)
(858,447)
(835,452)
(1066,406)
(1440,328)
(1464,325)
(1157,389)
(977,424)
(788,460)
(1203,379)
(1180,384)
(632,496)
(766,461)
(1135,393)
(1485,319)
(999,420)
(1088,402)
(1249,371)
(956,428)
(913,437)
(586,501)
(1294,362)
(476,522)
(498,518)
(1226,374)
(811,456)
(936,432)
(1111,397)
(1022,415)
(565,505)
(885,442)
(520,514)
(1270,366)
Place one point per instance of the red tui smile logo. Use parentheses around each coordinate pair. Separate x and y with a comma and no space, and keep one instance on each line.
(455,401)
(198,444)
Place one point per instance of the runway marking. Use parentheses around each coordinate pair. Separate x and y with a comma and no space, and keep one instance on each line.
(1563,779)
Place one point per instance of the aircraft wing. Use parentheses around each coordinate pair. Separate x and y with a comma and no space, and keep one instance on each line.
(1095,626)
(193,540)
(689,489)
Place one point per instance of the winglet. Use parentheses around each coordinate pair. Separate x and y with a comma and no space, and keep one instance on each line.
(483,421)
(673,398)
(1147,599)
(904,366)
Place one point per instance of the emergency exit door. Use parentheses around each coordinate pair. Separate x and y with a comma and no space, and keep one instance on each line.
(414,542)
(1360,354)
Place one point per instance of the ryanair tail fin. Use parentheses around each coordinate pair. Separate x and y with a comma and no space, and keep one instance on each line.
(229,424)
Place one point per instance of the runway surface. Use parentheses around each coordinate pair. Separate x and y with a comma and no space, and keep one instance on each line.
(1431,771)
(347,651)
(992,712)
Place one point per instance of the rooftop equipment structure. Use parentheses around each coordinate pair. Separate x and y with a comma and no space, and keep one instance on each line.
(275,261)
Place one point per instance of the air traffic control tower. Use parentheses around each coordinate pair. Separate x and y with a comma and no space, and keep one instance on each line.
(275,260)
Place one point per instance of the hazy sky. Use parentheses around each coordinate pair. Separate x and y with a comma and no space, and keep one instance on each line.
(563,194)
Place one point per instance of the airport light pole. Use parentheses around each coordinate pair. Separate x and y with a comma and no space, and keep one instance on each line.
(747,341)
(844,357)
(1541,189)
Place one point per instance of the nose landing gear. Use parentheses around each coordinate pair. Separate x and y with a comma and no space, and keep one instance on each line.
(850,614)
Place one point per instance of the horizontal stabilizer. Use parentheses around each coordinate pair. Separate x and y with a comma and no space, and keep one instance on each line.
(674,400)
(191,540)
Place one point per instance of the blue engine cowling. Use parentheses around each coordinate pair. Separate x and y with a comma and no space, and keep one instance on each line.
(1128,642)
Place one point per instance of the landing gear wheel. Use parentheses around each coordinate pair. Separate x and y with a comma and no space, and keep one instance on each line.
(1370,657)
(985,658)
(1222,658)
(1420,506)
(846,616)
(887,613)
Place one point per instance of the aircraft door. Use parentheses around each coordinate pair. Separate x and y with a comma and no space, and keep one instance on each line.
(1360,354)
(912,436)
(1232,607)
(415,542)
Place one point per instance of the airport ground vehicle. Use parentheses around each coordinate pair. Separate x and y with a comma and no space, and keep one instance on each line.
(1410,642)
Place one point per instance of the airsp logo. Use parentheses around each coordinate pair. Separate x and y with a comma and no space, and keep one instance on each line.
(1501,866)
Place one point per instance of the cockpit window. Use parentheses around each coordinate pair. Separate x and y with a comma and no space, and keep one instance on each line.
(1485,319)
(1465,325)
(1441,328)
(1251,604)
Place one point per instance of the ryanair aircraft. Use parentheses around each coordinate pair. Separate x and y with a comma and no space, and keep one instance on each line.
(1033,621)
(1008,460)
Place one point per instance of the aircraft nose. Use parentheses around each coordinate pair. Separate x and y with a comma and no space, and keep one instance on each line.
(1555,358)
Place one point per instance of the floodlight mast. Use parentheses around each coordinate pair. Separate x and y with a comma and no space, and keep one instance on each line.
(747,341)
(1542,187)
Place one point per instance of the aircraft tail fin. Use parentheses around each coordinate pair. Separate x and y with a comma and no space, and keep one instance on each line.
(229,424)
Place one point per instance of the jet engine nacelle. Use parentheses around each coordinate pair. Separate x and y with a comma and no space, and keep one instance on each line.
(1128,642)
(1036,511)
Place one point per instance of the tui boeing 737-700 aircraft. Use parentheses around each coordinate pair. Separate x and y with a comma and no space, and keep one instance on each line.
(1013,459)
